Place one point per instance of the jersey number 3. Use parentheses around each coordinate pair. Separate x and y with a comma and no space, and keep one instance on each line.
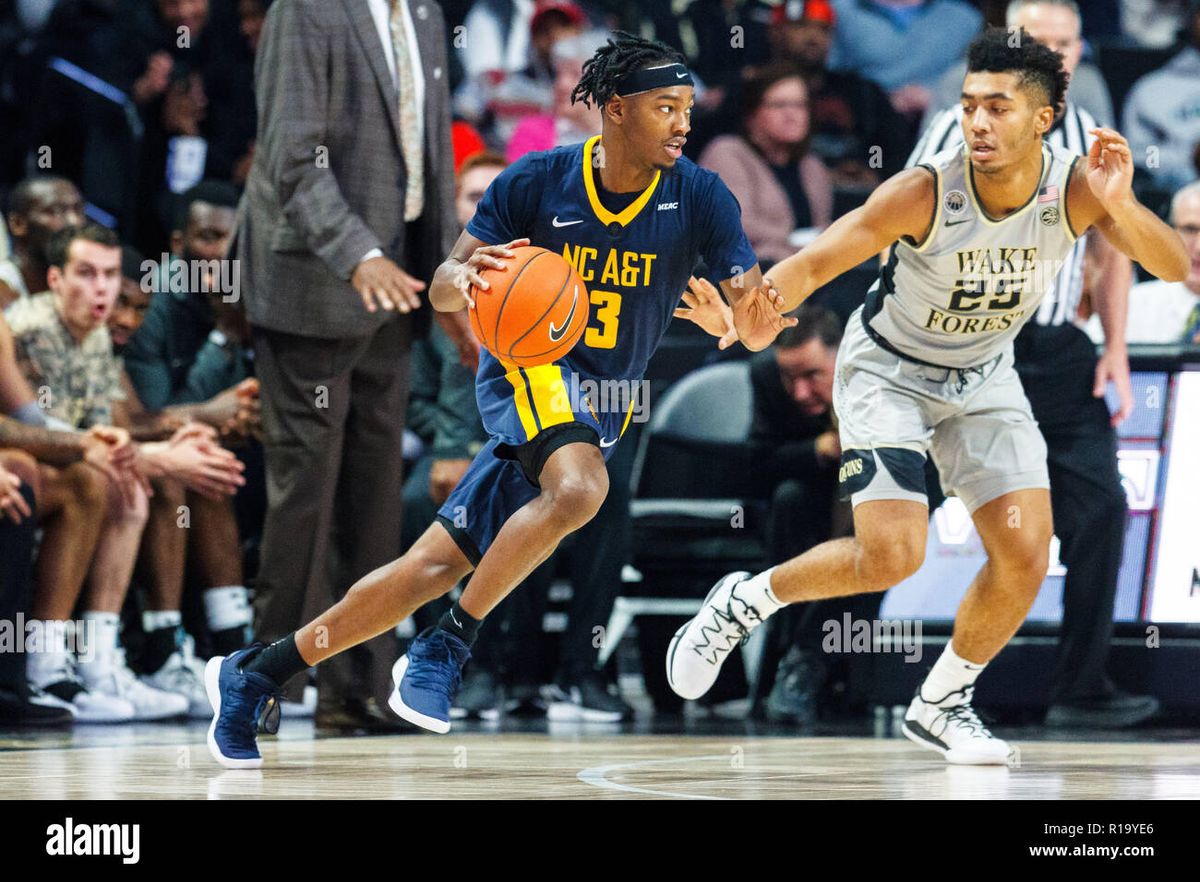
(608,310)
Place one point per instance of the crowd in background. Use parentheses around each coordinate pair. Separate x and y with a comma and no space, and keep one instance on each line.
(132,487)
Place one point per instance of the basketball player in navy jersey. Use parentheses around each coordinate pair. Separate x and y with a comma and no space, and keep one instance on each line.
(633,216)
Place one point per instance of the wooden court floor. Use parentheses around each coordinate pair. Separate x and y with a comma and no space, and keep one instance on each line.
(158,764)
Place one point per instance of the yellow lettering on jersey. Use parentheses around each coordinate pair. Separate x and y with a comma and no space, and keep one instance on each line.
(571,255)
(609,276)
(586,273)
(621,268)
(647,259)
(629,269)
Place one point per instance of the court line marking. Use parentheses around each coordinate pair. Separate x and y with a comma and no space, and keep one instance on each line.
(597,776)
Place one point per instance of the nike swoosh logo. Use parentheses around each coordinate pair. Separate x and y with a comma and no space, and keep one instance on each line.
(957,222)
(456,621)
(558,223)
(557,333)
(680,76)
(604,442)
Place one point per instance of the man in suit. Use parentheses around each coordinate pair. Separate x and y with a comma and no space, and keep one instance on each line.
(348,207)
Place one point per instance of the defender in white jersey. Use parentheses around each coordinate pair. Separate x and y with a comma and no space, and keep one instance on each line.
(926,363)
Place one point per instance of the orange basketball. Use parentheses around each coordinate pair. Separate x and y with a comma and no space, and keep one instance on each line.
(534,311)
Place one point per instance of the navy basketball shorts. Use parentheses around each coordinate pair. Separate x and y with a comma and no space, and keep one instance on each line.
(530,413)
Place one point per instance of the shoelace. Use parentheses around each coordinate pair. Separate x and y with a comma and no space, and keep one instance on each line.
(263,717)
(728,626)
(964,714)
(437,654)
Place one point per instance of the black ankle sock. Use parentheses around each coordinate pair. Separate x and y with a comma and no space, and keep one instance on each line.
(227,641)
(157,648)
(460,624)
(280,661)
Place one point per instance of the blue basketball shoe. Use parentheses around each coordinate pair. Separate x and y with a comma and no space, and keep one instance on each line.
(427,678)
(239,699)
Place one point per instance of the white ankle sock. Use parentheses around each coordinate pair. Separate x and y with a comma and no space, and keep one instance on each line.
(228,607)
(48,660)
(949,675)
(157,619)
(101,638)
(756,591)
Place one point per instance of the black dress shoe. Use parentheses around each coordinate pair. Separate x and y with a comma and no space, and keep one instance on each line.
(356,715)
(798,682)
(33,708)
(1117,711)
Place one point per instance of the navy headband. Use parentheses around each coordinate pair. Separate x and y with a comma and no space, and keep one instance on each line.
(654,78)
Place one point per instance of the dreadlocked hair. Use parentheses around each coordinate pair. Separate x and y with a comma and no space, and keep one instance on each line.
(623,53)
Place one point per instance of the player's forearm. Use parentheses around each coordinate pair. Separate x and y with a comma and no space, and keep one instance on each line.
(148,426)
(793,278)
(1111,295)
(44,445)
(444,292)
(1151,242)
(851,239)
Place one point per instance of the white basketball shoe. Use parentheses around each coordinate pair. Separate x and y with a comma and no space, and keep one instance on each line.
(701,646)
(952,728)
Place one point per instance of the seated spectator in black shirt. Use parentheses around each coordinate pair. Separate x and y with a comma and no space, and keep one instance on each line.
(855,130)
(193,344)
(795,438)
(189,361)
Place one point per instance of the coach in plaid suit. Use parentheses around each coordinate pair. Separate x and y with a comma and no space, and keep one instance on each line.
(348,210)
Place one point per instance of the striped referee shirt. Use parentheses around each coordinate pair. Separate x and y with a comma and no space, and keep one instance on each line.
(1070,132)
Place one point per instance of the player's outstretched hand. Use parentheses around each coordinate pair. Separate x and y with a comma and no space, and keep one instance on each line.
(483,257)
(1110,167)
(758,318)
(707,308)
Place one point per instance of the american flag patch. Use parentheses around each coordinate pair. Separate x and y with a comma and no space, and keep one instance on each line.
(1048,194)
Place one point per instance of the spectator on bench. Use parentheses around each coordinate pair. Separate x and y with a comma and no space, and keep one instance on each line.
(63,349)
(38,207)
(211,543)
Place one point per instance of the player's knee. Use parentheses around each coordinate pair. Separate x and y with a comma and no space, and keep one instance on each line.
(887,561)
(574,499)
(88,489)
(431,575)
(168,492)
(1026,553)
